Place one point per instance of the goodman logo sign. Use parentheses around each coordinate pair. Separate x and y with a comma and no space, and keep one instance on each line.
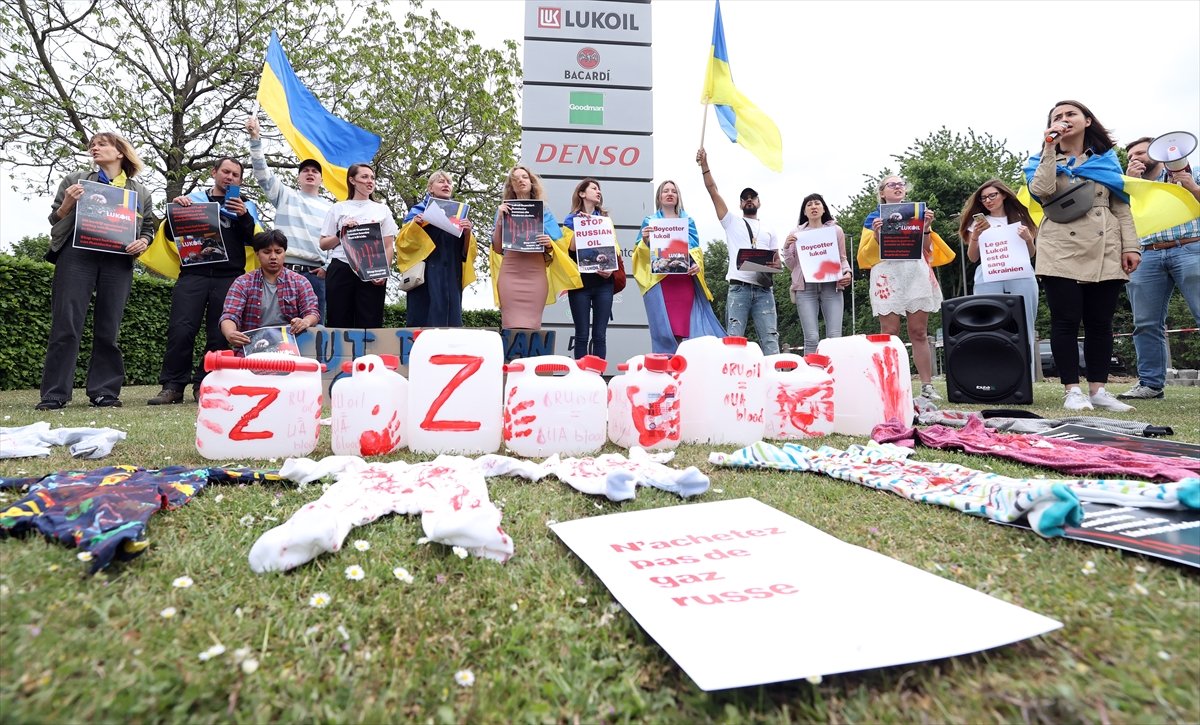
(586,109)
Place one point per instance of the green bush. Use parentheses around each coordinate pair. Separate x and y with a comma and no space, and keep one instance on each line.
(25,325)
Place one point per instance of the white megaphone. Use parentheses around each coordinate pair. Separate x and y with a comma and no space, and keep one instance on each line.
(1172,149)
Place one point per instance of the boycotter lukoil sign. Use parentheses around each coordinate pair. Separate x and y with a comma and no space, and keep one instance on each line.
(614,22)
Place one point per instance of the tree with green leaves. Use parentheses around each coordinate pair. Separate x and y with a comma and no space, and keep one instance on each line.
(31,247)
(178,79)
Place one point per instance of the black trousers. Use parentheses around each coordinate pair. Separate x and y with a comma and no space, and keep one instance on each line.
(195,298)
(1093,304)
(77,274)
(351,302)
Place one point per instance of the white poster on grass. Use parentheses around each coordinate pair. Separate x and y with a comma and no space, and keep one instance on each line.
(1003,254)
(741,594)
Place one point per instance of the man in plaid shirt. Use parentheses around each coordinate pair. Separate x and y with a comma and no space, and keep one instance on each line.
(270,296)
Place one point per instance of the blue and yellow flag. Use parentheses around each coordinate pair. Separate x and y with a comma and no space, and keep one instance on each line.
(312,132)
(741,120)
(1155,206)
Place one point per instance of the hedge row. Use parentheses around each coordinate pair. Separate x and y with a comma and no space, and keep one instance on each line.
(25,325)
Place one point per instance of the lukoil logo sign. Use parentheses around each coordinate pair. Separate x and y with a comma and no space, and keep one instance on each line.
(549,18)
(586,108)
(552,17)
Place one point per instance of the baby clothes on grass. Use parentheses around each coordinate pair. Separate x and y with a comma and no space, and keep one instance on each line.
(35,440)
(1071,457)
(105,511)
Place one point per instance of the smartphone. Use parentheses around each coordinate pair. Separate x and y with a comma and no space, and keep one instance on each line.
(232,191)
(979,220)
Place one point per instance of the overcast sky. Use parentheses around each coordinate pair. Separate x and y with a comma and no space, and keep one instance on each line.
(851,83)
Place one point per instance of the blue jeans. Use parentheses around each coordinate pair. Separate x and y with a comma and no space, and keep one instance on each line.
(591,309)
(749,301)
(1150,288)
(823,297)
(318,285)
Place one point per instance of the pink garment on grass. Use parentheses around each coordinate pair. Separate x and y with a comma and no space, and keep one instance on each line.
(1074,458)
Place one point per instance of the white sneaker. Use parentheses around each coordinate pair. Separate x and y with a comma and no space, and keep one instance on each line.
(1103,399)
(1076,400)
(928,392)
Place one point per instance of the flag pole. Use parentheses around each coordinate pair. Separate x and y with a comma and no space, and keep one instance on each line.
(703,125)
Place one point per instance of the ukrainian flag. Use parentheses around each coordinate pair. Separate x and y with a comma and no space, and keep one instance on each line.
(312,132)
(741,120)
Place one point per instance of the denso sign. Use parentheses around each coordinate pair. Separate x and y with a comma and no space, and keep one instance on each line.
(554,153)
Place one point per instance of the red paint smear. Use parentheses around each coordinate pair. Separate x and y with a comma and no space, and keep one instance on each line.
(375,410)
(828,268)
(801,407)
(377,443)
(212,399)
(470,366)
(239,432)
(887,375)
(511,419)
(212,425)
(669,428)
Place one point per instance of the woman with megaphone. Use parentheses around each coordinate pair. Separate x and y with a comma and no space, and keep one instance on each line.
(1087,246)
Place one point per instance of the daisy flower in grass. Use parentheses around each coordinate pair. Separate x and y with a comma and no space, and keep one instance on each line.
(250,666)
(354,572)
(167,613)
(464,678)
(84,556)
(402,574)
(1089,567)
(215,651)
(460,552)
(182,582)
(320,600)
(362,545)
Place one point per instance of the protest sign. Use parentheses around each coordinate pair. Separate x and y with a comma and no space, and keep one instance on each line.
(818,255)
(520,228)
(196,230)
(1003,254)
(901,235)
(596,244)
(741,594)
(669,252)
(365,252)
(446,214)
(105,218)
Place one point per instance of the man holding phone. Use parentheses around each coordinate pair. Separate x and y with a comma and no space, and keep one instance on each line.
(199,292)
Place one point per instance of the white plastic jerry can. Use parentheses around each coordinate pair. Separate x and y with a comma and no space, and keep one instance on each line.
(871,382)
(370,408)
(723,391)
(799,396)
(553,404)
(652,404)
(267,405)
(455,391)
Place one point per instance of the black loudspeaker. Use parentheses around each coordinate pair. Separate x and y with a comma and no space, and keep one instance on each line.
(988,359)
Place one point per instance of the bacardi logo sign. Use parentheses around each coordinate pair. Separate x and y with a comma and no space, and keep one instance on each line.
(549,18)
(587,58)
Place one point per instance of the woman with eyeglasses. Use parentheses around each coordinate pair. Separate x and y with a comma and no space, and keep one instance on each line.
(1087,246)
(999,207)
(906,288)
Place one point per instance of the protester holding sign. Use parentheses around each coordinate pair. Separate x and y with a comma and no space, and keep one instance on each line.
(1000,272)
(349,300)
(447,257)
(80,272)
(815,251)
(523,283)
(270,296)
(594,299)
(200,290)
(904,287)
(678,306)
(1087,246)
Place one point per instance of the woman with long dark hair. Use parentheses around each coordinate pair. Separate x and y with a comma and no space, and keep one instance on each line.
(813,297)
(591,304)
(80,272)
(1087,246)
(1000,207)
(349,300)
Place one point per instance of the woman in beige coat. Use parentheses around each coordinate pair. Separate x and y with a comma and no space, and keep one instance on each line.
(1086,250)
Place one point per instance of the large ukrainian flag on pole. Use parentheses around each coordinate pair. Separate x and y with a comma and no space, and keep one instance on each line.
(741,120)
(312,132)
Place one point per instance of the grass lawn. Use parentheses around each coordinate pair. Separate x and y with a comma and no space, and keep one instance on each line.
(541,635)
